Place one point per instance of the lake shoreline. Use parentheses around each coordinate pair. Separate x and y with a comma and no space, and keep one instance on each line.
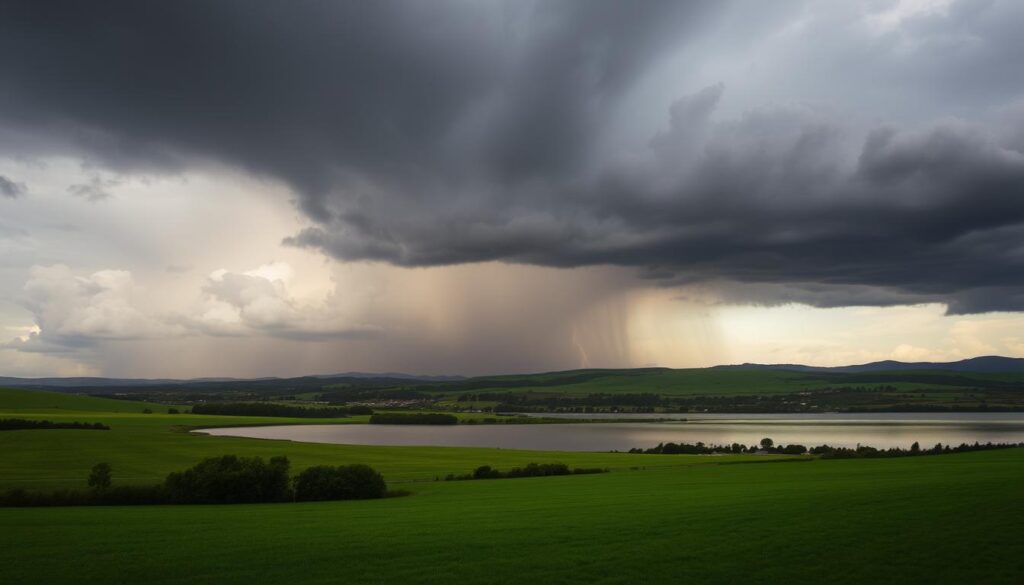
(836,430)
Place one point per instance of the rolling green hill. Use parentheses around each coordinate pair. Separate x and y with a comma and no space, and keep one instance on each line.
(719,381)
(723,390)
(41,401)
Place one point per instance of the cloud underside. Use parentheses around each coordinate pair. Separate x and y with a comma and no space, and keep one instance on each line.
(425,134)
(74,311)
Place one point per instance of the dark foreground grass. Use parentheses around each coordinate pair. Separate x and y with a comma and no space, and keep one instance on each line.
(945,519)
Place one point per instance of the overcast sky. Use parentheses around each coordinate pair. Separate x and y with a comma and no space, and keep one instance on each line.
(251,188)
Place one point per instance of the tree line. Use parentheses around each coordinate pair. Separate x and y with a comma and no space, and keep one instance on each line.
(17,424)
(531,470)
(227,479)
(767,445)
(277,410)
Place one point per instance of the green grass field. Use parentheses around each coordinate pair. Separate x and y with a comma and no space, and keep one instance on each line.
(144,448)
(672,519)
(13,402)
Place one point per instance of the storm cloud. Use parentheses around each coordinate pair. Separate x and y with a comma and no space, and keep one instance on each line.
(427,134)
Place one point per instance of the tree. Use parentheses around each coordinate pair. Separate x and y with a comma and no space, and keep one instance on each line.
(345,482)
(99,477)
(915,448)
(230,479)
(794,449)
(485,472)
(767,443)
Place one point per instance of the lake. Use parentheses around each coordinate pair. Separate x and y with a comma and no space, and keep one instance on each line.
(847,430)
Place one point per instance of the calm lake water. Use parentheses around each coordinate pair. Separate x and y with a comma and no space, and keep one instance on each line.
(877,430)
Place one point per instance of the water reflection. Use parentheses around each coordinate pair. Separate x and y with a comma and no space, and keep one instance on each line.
(878,430)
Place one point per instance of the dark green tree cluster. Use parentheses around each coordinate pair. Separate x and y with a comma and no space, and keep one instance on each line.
(531,470)
(700,448)
(864,451)
(18,424)
(228,479)
(826,452)
(343,482)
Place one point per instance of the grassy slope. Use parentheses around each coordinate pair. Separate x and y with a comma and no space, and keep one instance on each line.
(947,519)
(14,401)
(144,448)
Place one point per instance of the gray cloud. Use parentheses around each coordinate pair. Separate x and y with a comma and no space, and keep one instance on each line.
(424,134)
(11,189)
(97,189)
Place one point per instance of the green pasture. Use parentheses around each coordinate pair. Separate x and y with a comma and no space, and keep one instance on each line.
(14,401)
(946,519)
(144,448)
(653,519)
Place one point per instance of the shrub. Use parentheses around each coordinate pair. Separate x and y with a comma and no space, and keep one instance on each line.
(231,480)
(345,482)
(539,470)
(99,477)
(485,472)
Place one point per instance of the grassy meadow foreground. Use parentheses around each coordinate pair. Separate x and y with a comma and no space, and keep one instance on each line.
(654,519)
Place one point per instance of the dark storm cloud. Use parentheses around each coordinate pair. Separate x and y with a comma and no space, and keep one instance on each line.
(426,134)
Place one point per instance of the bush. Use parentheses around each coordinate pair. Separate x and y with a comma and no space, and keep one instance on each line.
(539,470)
(231,480)
(485,472)
(99,477)
(345,482)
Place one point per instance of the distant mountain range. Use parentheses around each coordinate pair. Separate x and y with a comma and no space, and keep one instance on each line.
(89,382)
(992,364)
(986,364)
